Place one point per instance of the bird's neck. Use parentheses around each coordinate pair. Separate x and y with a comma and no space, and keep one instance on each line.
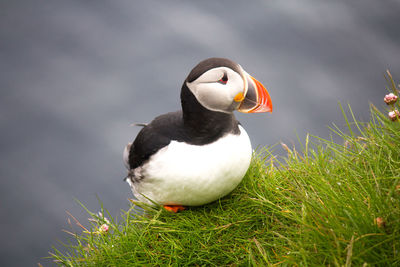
(204,121)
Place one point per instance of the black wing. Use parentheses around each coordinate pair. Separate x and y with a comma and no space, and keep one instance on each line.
(155,136)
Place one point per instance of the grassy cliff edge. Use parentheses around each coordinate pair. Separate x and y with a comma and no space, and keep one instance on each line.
(329,204)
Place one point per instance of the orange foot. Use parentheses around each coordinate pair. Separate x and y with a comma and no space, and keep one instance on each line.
(174,208)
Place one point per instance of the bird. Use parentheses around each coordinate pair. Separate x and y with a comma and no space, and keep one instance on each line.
(200,153)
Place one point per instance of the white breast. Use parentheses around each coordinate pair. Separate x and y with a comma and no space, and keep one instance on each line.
(190,175)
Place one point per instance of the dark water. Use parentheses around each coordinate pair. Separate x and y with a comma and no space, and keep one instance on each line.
(74,75)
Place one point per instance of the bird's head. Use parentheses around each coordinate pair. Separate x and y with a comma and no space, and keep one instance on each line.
(222,85)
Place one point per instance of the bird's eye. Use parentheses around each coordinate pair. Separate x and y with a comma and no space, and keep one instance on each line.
(224,79)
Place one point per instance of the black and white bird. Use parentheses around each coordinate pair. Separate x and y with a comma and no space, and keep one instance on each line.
(201,153)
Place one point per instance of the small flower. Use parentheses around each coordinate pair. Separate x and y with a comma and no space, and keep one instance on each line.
(390,99)
(380,222)
(103,229)
(394,115)
(398,188)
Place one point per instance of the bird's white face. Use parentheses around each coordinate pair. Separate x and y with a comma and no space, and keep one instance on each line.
(219,89)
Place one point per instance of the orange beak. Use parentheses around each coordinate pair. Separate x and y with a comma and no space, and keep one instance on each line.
(256,98)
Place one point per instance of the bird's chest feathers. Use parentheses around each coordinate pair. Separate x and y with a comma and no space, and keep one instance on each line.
(197,173)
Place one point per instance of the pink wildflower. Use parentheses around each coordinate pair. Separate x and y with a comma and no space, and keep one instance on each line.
(390,99)
(104,228)
(394,115)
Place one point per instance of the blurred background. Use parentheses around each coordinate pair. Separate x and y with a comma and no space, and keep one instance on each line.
(75,74)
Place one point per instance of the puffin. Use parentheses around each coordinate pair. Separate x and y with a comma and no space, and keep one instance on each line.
(200,153)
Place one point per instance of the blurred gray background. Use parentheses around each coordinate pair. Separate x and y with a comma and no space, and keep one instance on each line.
(75,74)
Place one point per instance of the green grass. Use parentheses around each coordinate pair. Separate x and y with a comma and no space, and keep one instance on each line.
(327,204)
